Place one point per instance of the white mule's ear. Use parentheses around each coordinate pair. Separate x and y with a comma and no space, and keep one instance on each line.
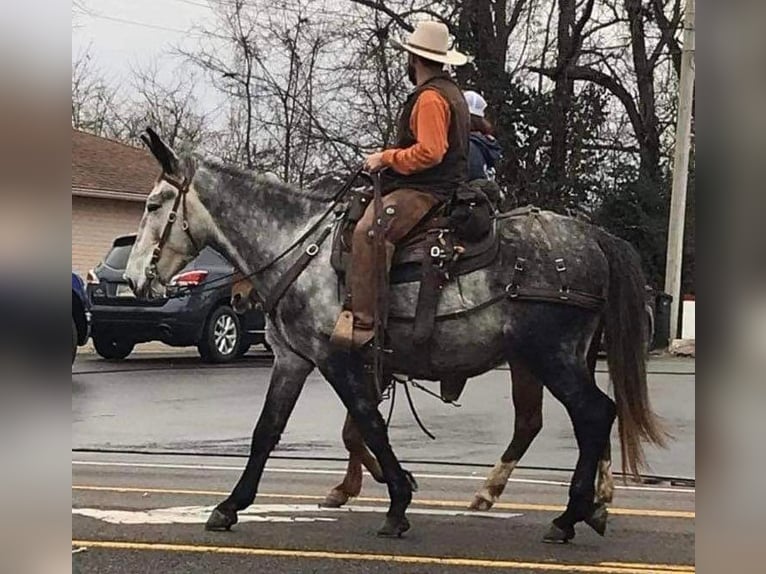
(162,152)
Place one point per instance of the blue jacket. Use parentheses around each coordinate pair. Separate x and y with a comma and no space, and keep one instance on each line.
(483,152)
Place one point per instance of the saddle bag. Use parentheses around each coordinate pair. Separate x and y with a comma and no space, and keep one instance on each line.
(490,188)
(470,214)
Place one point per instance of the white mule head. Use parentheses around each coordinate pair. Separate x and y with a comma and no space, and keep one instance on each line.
(174,226)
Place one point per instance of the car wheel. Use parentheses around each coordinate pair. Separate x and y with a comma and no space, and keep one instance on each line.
(112,349)
(243,349)
(222,336)
(74,339)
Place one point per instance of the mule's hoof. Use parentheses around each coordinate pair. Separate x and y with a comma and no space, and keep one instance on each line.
(334,499)
(604,494)
(597,520)
(480,503)
(558,535)
(220,521)
(394,527)
(604,498)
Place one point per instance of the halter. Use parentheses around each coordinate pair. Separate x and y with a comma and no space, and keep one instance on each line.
(180,200)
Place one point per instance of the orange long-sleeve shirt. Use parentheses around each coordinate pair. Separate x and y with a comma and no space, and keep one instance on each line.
(429,123)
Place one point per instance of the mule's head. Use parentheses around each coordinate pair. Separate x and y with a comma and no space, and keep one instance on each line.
(175,225)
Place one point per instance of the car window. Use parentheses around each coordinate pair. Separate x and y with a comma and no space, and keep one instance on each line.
(117,258)
(209,257)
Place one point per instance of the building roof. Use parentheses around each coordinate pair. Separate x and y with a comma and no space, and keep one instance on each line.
(106,168)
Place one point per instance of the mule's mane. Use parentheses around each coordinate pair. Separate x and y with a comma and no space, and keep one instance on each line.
(320,190)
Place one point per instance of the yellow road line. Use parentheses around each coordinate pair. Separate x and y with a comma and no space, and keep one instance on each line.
(671,567)
(645,512)
(601,568)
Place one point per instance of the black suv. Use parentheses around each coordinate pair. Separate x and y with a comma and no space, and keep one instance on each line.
(196,310)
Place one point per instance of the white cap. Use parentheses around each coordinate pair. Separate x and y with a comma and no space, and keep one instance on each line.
(476,104)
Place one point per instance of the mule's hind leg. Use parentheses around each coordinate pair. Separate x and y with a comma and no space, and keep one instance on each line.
(605,482)
(527,393)
(359,455)
(554,344)
(592,413)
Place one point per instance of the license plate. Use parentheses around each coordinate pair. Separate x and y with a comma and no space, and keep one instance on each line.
(124,291)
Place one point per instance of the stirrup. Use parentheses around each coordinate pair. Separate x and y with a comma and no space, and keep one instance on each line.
(343,333)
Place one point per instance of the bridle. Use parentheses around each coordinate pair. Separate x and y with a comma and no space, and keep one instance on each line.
(180,201)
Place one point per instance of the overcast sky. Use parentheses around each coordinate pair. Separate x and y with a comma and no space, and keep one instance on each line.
(124,32)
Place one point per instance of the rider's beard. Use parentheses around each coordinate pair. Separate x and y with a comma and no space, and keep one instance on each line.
(411,73)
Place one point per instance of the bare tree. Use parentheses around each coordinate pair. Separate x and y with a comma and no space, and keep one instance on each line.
(378,81)
(267,61)
(287,68)
(94,100)
(569,31)
(168,105)
(484,30)
(644,60)
(227,57)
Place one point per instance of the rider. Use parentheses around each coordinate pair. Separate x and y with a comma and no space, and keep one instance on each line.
(427,164)
(484,150)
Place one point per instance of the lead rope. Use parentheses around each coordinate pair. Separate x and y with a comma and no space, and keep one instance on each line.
(392,396)
(390,393)
(415,412)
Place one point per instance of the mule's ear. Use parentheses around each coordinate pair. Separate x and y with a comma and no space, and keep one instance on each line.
(162,152)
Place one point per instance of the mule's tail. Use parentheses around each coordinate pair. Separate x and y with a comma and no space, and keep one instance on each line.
(625,332)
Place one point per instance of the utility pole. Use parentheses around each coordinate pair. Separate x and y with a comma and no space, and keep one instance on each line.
(680,171)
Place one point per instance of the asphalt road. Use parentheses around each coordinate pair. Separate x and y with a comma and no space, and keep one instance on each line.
(145,513)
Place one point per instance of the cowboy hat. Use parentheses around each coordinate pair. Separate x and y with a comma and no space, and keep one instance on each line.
(430,40)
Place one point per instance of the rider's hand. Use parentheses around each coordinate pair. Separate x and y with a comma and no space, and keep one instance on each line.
(374,161)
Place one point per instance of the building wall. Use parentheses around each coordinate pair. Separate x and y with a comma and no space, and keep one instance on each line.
(688,319)
(95,224)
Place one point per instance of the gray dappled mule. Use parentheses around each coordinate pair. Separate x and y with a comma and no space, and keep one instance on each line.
(252,220)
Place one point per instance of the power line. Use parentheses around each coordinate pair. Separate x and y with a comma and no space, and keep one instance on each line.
(193,33)
(158,27)
(280,8)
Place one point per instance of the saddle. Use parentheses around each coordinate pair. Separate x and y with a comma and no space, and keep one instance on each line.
(450,241)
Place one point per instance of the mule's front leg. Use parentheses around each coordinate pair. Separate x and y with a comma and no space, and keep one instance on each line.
(287,378)
(346,373)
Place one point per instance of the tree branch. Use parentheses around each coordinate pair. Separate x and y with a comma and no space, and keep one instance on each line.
(516,11)
(577,32)
(668,28)
(379,5)
(604,80)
